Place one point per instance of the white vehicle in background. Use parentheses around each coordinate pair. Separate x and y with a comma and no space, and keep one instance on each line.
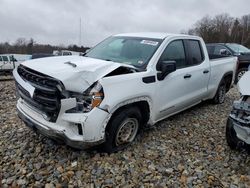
(238,124)
(65,53)
(123,84)
(9,61)
(21,57)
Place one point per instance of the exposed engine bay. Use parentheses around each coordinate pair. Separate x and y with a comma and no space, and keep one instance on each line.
(241,111)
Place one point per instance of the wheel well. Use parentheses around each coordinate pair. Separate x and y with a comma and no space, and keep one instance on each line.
(143,107)
(228,80)
(243,65)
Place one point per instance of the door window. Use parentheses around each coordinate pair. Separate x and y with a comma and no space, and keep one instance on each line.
(175,52)
(220,50)
(195,52)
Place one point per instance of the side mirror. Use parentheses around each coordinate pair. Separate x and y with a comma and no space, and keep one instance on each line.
(165,68)
(223,52)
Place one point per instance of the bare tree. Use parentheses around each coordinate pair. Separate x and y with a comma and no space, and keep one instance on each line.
(223,28)
(245,21)
(223,25)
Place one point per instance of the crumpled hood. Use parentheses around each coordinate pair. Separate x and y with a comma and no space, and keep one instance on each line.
(78,78)
(243,84)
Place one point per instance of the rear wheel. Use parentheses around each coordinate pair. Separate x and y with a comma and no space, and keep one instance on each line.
(122,129)
(220,95)
(231,137)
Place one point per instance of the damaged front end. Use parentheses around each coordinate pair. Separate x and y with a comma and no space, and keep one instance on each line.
(87,100)
(240,116)
(238,124)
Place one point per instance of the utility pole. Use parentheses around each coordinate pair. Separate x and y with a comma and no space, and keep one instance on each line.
(80,34)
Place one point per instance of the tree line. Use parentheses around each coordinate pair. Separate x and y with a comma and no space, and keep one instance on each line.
(24,46)
(223,28)
(220,28)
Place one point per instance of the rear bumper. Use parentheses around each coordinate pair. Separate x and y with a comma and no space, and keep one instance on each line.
(66,128)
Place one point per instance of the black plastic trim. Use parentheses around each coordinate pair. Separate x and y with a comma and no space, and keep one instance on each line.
(148,79)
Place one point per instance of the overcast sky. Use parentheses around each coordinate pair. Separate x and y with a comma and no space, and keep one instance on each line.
(58,21)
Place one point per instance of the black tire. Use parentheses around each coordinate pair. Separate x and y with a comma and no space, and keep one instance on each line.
(127,117)
(240,73)
(220,95)
(231,137)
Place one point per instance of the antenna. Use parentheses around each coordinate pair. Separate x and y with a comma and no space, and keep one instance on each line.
(80,34)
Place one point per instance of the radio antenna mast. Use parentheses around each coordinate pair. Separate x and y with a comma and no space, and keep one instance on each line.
(80,34)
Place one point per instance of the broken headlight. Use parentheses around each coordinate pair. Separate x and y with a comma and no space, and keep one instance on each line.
(88,100)
(241,108)
(247,99)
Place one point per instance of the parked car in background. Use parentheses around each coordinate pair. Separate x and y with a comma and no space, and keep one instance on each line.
(21,57)
(65,52)
(232,49)
(123,84)
(238,124)
(41,55)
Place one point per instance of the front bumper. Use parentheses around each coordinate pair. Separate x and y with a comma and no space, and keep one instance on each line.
(242,132)
(66,128)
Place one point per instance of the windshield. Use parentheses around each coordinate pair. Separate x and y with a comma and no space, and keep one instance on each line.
(128,50)
(238,48)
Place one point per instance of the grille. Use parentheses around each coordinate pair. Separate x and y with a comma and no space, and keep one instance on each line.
(47,96)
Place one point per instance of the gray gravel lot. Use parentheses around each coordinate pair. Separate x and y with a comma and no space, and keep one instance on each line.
(187,150)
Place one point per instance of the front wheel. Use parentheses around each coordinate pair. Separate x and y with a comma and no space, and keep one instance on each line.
(231,137)
(122,129)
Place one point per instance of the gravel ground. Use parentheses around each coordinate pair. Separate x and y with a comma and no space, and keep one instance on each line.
(187,150)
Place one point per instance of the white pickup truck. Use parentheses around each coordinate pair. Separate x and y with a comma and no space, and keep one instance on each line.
(126,82)
(7,63)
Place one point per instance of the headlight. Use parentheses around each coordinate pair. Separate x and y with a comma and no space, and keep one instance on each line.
(248,100)
(90,99)
(93,96)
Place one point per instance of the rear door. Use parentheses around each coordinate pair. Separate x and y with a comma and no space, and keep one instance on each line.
(188,84)
(199,68)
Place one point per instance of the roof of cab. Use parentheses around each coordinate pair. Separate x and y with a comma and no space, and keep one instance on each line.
(149,35)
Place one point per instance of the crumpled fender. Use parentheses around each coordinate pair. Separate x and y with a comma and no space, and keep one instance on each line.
(244,84)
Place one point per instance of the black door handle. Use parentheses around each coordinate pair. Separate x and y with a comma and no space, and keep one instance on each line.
(205,71)
(187,76)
